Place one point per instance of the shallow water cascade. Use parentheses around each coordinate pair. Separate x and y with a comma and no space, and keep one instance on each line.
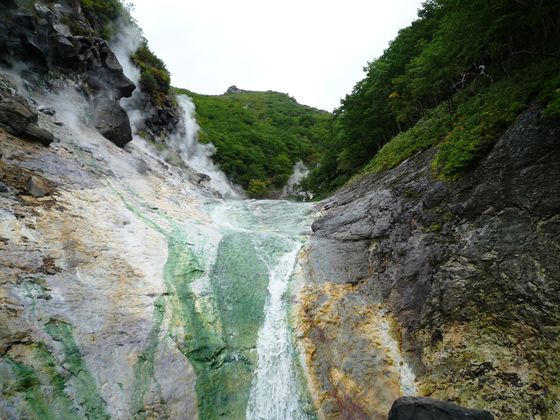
(273,231)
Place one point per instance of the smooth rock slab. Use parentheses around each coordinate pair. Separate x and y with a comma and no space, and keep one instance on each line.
(422,408)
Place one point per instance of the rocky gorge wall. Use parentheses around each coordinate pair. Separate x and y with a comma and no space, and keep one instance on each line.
(89,318)
(450,290)
(110,306)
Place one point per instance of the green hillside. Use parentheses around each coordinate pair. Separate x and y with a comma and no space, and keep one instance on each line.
(456,78)
(259,136)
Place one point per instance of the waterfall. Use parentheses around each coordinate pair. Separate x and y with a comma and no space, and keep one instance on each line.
(274,392)
(274,231)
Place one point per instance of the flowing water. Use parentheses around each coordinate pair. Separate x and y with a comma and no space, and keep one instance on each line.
(273,231)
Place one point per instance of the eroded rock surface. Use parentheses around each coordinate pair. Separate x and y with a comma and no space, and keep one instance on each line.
(91,320)
(18,117)
(466,274)
(43,40)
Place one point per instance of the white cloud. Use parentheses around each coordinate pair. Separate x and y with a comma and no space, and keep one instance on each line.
(313,50)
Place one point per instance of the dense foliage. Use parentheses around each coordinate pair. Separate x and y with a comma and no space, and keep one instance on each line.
(455,78)
(154,76)
(259,136)
(103,15)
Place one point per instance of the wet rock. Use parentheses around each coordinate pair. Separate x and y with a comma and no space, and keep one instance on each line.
(422,408)
(19,118)
(112,122)
(3,187)
(38,187)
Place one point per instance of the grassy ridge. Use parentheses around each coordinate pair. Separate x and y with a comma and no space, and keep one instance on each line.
(259,136)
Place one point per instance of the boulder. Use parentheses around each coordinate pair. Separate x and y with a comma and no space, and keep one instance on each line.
(112,121)
(422,408)
(19,118)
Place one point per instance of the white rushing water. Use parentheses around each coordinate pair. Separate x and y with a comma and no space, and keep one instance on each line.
(274,392)
(277,230)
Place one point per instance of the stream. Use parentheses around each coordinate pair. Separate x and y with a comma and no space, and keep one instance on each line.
(270,234)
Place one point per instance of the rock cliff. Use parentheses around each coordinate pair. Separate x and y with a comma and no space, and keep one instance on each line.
(87,325)
(462,279)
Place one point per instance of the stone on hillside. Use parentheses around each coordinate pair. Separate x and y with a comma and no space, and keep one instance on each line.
(233,89)
(422,408)
(34,132)
(38,187)
(112,122)
(202,178)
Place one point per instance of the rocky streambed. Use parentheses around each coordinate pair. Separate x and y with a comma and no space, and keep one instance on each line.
(130,290)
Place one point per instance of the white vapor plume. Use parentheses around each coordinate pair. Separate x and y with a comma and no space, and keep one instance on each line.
(291,189)
(126,43)
(198,155)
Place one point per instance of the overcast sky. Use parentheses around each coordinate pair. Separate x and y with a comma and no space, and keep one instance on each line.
(315,50)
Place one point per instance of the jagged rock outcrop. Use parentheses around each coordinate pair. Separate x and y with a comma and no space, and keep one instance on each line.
(18,117)
(161,121)
(44,39)
(233,89)
(465,275)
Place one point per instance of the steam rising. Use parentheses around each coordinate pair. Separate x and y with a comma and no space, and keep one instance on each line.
(291,189)
(125,45)
(184,142)
(198,155)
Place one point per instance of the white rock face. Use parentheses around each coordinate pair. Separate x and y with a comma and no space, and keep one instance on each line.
(83,295)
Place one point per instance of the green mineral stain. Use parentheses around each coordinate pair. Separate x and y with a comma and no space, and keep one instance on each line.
(144,368)
(43,387)
(29,384)
(85,385)
(239,280)
(214,317)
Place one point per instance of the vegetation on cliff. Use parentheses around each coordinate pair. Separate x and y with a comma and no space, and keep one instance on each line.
(259,136)
(456,78)
(107,18)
